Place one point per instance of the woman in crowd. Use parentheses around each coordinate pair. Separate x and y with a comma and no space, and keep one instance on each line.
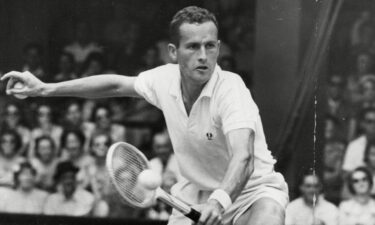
(10,145)
(25,198)
(45,127)
(66,67)
(13,121)
(45,161)
(72,142)
(360,208)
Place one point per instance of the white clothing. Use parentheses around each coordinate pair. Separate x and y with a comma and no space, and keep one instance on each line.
(299,213)
(198,140)
(353,213)
(81,204)
(29,203)
(355,153)
(157,166)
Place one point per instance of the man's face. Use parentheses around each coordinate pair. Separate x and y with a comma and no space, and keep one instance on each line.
(197,51)
(310,187)
(68,183)
(162,146)
(369,124)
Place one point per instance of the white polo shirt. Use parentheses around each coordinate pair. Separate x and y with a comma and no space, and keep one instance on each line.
(198,140)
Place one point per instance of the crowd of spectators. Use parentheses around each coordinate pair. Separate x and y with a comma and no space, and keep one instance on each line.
(52,151)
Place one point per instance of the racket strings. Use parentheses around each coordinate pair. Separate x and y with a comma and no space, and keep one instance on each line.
(127,165)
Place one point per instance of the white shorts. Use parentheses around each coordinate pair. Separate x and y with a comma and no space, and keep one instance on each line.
(271,185)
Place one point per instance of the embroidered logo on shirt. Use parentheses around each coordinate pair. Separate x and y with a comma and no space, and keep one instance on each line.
(209,136)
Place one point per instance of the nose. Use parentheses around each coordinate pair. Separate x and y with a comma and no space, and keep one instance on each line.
(202,54)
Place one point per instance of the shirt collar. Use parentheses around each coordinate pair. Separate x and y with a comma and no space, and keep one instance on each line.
(208,89)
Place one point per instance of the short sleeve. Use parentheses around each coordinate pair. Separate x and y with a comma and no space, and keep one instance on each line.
(237,108)
(145,86)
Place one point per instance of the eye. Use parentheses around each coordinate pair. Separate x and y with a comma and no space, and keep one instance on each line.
(193,46)
(210,45)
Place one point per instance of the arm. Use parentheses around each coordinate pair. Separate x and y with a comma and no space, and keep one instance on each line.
(99,86)
(241,144)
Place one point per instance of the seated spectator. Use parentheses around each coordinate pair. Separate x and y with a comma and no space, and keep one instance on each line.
(164,160)
(66,68)
(364,65)
(25,198)
(333,129)
(95,64)
(83,45)
(367,91)
(360,208)
(45,161)
(33,54)
(69,200)
(10,145)
(149,59)
(13,120)
(45,127)
(333,154)
(102,116)
(311,208)
(356,37)
(355,152)
(73,120)
(369,160)
(72,142)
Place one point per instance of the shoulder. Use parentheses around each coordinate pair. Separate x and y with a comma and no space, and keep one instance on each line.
(164,70)
(347,204)
(40,193)
(329,205)
(84,195)
(295,204)
(360,141)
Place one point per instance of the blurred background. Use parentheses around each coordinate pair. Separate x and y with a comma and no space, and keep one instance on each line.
(309,66)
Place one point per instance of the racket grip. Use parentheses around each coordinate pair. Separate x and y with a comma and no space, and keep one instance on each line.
(193,215)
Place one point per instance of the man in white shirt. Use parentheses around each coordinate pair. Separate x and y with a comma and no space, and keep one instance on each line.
(213,122)
(355,152)
(311,208)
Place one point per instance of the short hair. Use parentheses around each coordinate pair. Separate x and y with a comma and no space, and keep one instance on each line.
(190,14)
(79,134)
(23,166)
(368,177)
(364,112)
(15,135)
(41,138)
(108,141)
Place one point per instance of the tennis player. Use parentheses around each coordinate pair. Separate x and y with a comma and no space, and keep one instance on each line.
(214,124)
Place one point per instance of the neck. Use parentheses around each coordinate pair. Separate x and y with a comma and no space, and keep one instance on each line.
(190,91)
(362,198)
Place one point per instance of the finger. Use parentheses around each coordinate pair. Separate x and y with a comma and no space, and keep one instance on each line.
(10,85)
(204,218)
(12,74)
(214,219)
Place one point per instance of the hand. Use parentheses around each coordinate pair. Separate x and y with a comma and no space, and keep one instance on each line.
(211,213)
(32,85)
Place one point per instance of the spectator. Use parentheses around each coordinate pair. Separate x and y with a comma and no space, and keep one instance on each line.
(33,54)
(103,123)
(45,161)
(356,37)
(333,128)
(66,68)
(334,150)
(13,120)
(149,59)
(73,120)
(72,142)
(95,64)
(355,152)
(99,181)
(311,208)
(367,91)
(69,200)
(360,208)
(9,156)
(363,66)
(83,45)
(25,198)
(370,161)
(45,127)
(164,160)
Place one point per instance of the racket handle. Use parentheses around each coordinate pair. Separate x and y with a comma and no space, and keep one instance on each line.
(193,215)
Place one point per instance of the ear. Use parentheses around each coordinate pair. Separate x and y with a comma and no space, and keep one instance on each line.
(172,49)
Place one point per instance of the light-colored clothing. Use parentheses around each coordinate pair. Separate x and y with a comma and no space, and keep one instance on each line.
(271,185)
(355,153)
(81,204)
(299,213)
(198,140)
(157,165)
(54,132)
(80,52)
(353,213)
(7,168)
(45,172)
(29,203)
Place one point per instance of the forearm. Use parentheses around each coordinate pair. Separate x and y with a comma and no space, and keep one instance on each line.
(98,86)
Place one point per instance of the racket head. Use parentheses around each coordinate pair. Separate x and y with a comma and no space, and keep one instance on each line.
(124,163)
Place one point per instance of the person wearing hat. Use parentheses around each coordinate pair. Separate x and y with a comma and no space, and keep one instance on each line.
(69,200)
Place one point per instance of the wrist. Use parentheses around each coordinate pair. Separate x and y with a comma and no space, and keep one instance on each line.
(222,198)
(45,90)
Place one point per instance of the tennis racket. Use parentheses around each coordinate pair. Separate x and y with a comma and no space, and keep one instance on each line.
(124,163)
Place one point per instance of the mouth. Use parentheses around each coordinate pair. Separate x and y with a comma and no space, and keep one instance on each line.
(202,68)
